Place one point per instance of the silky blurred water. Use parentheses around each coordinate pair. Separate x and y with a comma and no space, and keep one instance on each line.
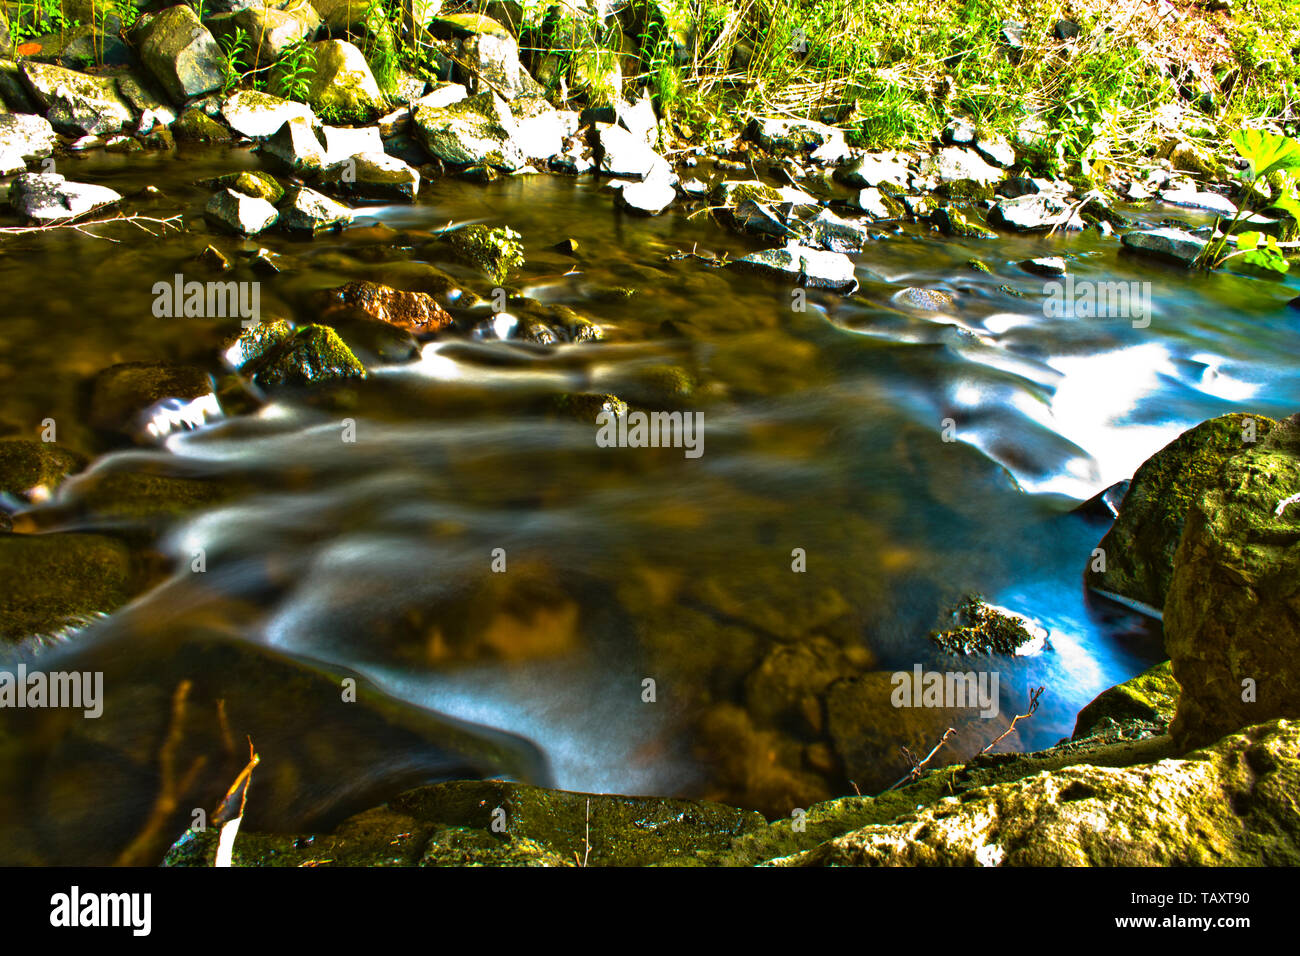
(824,431)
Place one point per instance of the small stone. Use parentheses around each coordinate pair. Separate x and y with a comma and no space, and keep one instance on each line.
(244,215)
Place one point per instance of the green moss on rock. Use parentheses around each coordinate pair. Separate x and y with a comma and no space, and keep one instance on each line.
(259,185)
(57,581)
(313,356)
(493,249)
(26,464)
(1150,697)
(1139,548)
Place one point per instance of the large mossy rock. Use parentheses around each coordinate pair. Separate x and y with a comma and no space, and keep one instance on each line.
(1150,698)
(74,103)
(452,825)
(57,581)
(343,90)
(1230,805)
(1232,618)
(180,53)
(486,55)
(1139,548)
(313,355)
(478,130)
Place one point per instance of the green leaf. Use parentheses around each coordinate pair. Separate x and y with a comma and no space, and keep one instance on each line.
(1289,203)
(1266,152)
(1247,241)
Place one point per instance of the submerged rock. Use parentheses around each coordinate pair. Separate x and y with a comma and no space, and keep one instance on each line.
(32,469)
(1139,548)
(121,393)
(314,355)
(413,311)
(494,249)
(59,581)
(1232,614)
(451,824)
(48,197)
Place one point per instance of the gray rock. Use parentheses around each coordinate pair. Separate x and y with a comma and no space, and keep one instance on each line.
(873,170)
(540,129)
(834,233)
(1199,199)
(343,142)
(147,101)
(295,145)
(180,53)
(478,130)
(622,154)
(305,210)
(650,197)
(955,163)
(240,214)
(1174,245)
(805,266)
(75,103)
(1035,213)
(442,94)
(996,149)
(258,115)
(959,132)
(878,205)
(782,134)
(274,28)
(1045,266)
(486,55)
(48,197)
(372,176)
(26,135)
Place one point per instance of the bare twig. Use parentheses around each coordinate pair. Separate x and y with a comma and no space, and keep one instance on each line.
(915,772)
(1034,696)
(73,222)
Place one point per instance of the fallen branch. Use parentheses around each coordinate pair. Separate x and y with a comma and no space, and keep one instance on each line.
(915,772)
(1034,696)
(135,219)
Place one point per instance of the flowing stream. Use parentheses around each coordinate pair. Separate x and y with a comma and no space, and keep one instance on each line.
(824,430)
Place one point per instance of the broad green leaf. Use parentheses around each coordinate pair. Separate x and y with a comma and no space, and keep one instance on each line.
(1289,203)
(1247,241)
(1266,152)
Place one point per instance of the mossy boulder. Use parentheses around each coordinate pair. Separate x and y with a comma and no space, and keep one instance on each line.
(27,465)
(59,581)
(1139,548)
(259,185)
(1230,805)
(179,51)
(1232,615)
(314,355)
(495,250)
(197,126)
(75,103)
(343,90)
(479,130)
(1150,697)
